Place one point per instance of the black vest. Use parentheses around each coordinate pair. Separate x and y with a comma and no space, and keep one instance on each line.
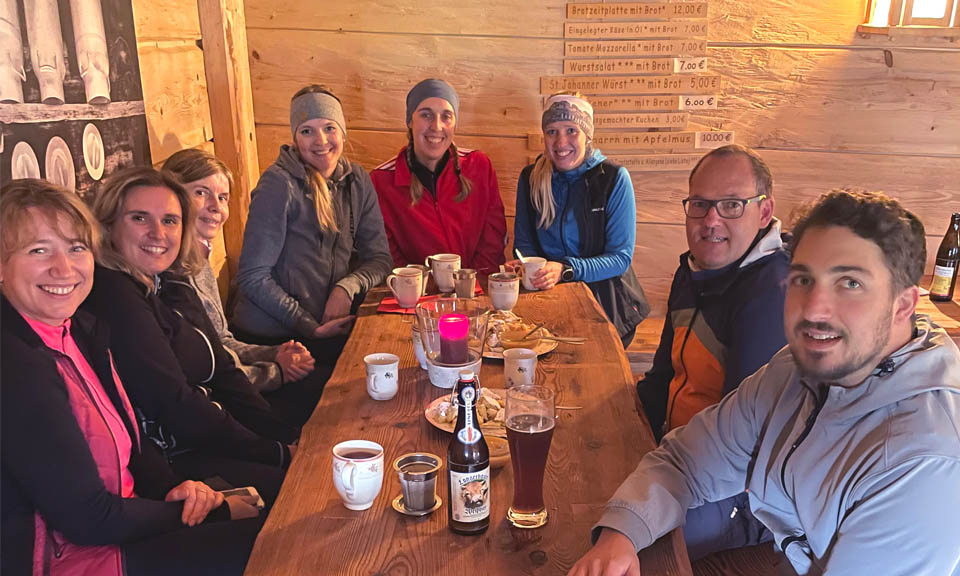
(621,297)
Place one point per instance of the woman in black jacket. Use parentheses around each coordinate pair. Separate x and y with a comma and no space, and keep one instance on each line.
(191,398)
(74,469)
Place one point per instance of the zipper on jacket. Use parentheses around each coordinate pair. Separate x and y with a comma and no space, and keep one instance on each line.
(686,373)
(811,420)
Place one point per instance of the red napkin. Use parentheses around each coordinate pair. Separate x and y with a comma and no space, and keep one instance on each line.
(389,304)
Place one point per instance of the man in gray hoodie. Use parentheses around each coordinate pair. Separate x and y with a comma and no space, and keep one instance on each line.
(848,440)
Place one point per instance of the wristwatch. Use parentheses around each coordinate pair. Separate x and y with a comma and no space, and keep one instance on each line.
(567,274)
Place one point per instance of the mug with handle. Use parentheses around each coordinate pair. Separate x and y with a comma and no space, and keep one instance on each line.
(442,266)
(382,375)
(358,472)
(406,285)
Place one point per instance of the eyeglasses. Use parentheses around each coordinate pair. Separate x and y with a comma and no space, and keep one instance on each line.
(729,208)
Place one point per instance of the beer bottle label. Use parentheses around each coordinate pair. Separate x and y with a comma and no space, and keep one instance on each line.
(942,276)
(470,495)
(469,434)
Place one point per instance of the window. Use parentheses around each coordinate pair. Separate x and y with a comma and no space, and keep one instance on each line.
(935,13)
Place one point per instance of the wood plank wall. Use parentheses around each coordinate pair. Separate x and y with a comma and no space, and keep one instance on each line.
(825,107)
(174,85)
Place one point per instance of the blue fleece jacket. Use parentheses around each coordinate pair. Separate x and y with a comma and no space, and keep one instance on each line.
(561,240)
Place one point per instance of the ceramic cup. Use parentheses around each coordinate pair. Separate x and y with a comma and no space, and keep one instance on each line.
(358,472)
(531,265)
(504,289)
(418,350)
(425,276)
(406,285)
(442,266)
(519,367)
(382,375)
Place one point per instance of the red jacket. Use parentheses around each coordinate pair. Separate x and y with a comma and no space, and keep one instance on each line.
(475,228)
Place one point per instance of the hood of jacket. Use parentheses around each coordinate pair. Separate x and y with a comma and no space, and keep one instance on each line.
(589,162)
(289,161)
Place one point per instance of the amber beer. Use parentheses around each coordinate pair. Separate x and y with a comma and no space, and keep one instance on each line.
(468,463)
(530,423)
(947,263)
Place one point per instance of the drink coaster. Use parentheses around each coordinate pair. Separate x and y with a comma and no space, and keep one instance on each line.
(401,508)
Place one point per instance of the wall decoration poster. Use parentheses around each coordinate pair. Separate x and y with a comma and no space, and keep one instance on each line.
(71,102)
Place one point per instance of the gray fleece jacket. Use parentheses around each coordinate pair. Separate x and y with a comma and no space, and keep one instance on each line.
(859,480)
(288,264)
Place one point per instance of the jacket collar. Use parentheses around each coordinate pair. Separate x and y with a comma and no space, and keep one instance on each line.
(81,323)
(289,161)
(767,243)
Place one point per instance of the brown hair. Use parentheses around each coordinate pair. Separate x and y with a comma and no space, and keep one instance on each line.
(876,217)
(541,185)
(416,187)
(763,179)
(322,199)
(108,208)
(195,164)
(18,197)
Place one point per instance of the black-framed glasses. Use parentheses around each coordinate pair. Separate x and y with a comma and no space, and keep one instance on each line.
(730,208)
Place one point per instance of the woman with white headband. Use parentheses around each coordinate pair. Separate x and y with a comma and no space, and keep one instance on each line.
(314,241)
(577,210)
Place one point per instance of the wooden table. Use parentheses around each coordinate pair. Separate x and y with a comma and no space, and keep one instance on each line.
(594,449)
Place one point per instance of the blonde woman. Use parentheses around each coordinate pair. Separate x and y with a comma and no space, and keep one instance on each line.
(284,373)
(314,240)
(577,210)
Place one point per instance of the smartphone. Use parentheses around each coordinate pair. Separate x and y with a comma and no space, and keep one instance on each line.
(246,491)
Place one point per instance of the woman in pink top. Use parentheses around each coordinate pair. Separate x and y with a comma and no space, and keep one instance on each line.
(81,494)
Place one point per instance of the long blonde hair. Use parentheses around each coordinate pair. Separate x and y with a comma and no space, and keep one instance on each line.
(322,198)
(541,185)
(416,187)
(108,209)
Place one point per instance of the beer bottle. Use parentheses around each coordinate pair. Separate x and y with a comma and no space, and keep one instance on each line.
(948,261)
(468,463)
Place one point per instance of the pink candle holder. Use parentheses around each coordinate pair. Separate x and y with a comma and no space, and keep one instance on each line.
(454,331)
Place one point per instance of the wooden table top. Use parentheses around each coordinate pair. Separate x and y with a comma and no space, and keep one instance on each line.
(594,448)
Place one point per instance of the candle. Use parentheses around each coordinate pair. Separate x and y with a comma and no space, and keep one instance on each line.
(454,333)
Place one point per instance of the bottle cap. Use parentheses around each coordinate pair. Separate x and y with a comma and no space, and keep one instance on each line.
(466,375)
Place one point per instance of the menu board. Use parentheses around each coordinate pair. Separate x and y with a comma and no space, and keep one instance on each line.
(644,66)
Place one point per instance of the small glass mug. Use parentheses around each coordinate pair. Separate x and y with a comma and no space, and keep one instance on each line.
(465,282)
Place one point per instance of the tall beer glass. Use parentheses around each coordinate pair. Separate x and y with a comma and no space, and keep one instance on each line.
(530,420)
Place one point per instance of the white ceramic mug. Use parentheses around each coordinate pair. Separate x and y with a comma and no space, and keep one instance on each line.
(442,266)
(358,472)
(531,265)
(519,367)
(504,289)
(425,276)
(406,285)
(382,375)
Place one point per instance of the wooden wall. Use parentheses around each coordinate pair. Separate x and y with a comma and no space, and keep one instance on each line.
(174,84)
(825,107)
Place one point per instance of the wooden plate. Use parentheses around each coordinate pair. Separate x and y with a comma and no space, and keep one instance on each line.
(430,412)
(542,347)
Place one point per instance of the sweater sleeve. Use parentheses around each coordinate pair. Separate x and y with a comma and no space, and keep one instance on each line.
(156,384)
(489,254)
(57,472)
(903,522)
(704,461)
(373,252)
(621,236)
(524,235)
(263,240)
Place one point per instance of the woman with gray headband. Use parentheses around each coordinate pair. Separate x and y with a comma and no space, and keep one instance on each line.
(436,197)
(314,241)
(577,210)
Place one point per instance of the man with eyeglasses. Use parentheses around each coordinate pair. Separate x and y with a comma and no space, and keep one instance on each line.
(724,318)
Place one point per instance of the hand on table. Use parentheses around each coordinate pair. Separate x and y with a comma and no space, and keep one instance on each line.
(338,305)
(548,276)
(612,555)
(337,327)
(295,361)
(242,506)
(198,500)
